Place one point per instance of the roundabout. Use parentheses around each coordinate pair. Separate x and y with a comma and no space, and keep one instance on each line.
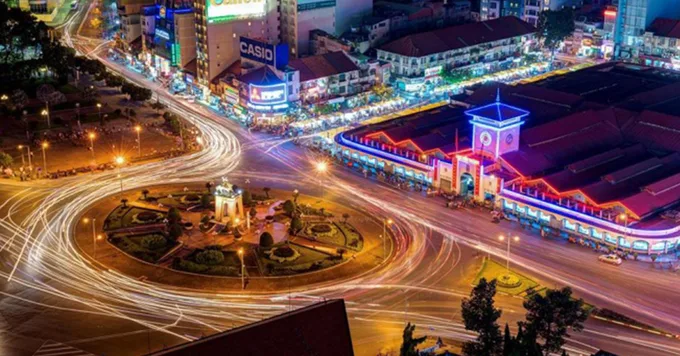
(277,242)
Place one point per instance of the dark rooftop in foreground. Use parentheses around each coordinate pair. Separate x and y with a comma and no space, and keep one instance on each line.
(319,329)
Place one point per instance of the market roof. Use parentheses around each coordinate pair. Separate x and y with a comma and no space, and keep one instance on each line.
(319,329)
(497,111)
(455,37)
(322,66)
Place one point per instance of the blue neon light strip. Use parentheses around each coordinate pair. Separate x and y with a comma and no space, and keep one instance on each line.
(591,219)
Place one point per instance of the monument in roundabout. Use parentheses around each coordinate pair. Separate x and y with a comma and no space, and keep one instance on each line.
(229,204)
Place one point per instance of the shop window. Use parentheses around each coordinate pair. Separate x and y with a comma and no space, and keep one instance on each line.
(640,245)
(659,246)
(609,238)
(569,225)
(532,213)
(544,217)
(596,234)
(521,209)
(508,205)
(584,230)
(623,242)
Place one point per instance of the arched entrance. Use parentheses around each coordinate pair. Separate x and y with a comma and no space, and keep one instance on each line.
(467,185)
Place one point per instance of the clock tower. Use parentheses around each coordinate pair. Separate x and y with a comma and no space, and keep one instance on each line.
(495,128)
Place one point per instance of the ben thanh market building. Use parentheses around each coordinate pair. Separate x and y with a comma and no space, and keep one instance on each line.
(563,163)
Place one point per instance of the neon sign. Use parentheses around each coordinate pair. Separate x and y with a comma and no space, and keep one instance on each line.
(268,94)
(228,10)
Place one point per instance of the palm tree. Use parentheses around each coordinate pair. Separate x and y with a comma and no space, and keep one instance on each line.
(266,191)
(208,186)
(145,193)
(124,202)
(345,216)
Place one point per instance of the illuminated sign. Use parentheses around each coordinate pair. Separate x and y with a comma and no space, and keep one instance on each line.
(268,94)
(162,12)
(263,52)
(162,34)
(434,71)
(228,10)
(610,13)
(306,5)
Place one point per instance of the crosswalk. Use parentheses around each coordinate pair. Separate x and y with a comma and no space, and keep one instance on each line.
(53,348)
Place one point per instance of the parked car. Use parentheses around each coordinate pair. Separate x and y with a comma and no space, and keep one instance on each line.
(611,259)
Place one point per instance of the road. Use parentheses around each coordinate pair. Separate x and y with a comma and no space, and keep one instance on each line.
(50,292)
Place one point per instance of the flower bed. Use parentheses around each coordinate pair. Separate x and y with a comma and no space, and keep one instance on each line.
(207,261)
(132,216)
(283,253)
(353,238)
(146,247)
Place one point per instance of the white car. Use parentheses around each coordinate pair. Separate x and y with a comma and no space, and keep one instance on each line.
(612,259)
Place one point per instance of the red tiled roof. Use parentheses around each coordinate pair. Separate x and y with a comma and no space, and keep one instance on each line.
(319,329)
(665,27)
(322,66)
(455,37)
(655,197)
(655,130)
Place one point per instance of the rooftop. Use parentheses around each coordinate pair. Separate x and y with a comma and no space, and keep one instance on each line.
(664,27)
(319,329)
(260,76)
(321,66)
(455,37)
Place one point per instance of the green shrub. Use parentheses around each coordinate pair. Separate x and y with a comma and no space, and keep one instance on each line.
(284,251)
(205,201)
(147,216)
(253,212)
(321,228)
(295,225)
(289,207)
(192,198)
(266,240)
(210,257)
(205,219)
(153,242)
(175,231)
(247,198)
(174,216)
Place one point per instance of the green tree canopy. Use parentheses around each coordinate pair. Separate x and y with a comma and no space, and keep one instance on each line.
(409,344)
(555,26)
(480,315)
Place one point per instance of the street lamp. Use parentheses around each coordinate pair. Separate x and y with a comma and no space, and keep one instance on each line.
(78,115)
(95,237)
(243,269)
(384,235)
(44,145)
(119,162)
(46,113)
(624,218)
(28,153)
(4,97)
(507,256)
(92,136)
(138,129)
(99,108)
(321,168)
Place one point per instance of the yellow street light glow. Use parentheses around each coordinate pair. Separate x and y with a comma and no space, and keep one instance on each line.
(501,237)
(4,97)
(138,128)
(99,105)
(516,238)
(120,160)
(20,147)
(389,221)
(99,237)
(44,112)
(623,216)
(45,145)
(86,220)
(321,166)
(240,251)
(91,135)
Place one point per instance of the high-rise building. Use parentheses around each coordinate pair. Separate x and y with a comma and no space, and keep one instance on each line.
(351,12)
(300,17)
(220,24)
(633,17)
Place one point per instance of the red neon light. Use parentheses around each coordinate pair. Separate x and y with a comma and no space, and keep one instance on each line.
(610,13)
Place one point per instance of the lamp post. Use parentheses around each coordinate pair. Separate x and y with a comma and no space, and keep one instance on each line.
(25,120)
(78,115)
(46,113)
(44,145)
(92,136)
(28,153)
(138,129)
(507,256)
(119,162)
(23,161)
(322,168)
(95,237)
(243,269)
(99,108)
(384,236)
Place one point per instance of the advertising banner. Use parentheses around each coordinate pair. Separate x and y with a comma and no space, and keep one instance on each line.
(263,52)
(306,5)
(268,94)
(228,10)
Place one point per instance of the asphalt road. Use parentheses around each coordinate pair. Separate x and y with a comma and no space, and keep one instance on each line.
(51,295)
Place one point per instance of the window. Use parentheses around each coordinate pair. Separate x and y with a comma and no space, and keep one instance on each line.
(508,205)
(640,245)
(569,225)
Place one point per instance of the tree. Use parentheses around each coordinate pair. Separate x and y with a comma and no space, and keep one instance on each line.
(174,231)
(174,216)
(208,186)
(480,315)
(145,193)
(289,207)
(295,225)
(266,191)
(554,27)
(114,81)
(5,160)
(345,216)
(237,233)
(247,198)
(266,240)
(253,212)
(124,202)
(551,316)
(157,106)
(205,201)
(409,344)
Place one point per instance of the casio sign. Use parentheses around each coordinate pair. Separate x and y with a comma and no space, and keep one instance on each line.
(259,52)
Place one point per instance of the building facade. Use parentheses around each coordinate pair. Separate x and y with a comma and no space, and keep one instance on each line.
(299,17)
(633,17)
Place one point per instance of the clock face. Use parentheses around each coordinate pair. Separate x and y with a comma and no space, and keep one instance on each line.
(509,138)
(485,138)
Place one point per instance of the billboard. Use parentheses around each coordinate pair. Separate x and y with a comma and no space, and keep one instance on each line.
(263,52)
(228,10)
(306,5)
(268,94)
